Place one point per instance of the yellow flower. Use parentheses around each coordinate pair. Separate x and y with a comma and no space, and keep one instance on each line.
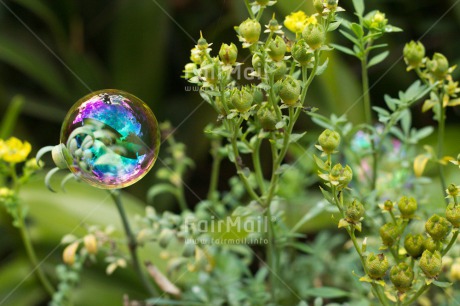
(13,150)
(296,21)
(5,193)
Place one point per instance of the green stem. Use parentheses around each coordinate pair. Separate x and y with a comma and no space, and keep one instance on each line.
(248,7)
(26,238)
(217,159)
(32,256)
(257,165)
(440,153)
(132,244)
(417,295)
(271,254)
(451,243)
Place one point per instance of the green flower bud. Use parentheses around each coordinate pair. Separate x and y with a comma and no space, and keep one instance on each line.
(314,35)
(438,227)
(432,245)
(389,233)
(414,52)
(354,212)
(452,190)
(388,205)
(202,44)
(301,53)
(340,176)
(319,6)
(267,117)
(453,214)
(277,49)
(188,70)
(196,56)
(402,276)
(407,207)
(438,66)
(377,265)
(290,91)
(280,70)
(210,70)
(242,99)
(332,4)
(431,263)
(414,244)
(376,21)
(329,141)
(258,64)
(165,237)
(273,25)
(250,30)
(258,95)
(228,54)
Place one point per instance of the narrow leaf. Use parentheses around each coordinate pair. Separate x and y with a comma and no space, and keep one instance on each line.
(378,58)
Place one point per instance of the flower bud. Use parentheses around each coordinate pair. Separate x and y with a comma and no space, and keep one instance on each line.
(388,205)
(314,35)
(432,245)
(376,21)
(290,91)
(68,256)
(277,49)
(5,194)
(301,53)
(267,117)
(250,30)
(329,141)
(332,4)
(258,95)
(354,212)
(90,243)
(438,66)
(319,6)
(280,70)
(242,99)
(228,54)
(414,245)
(402,276)
(431,263)
(202,44)
(377,265)
(414,52)
(453,214)
(258,64)
(189,70)
(407,207)
(210,71)
(455,271)
(389,233)
(273,24)
(196,56)
(452,190)
(438,227)
(165,237)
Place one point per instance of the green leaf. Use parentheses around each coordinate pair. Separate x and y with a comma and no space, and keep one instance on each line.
(343,49)
(301,247)
(323,67)
(333,26)
(326,292)
(327,195)
(442,284)
(243,148)
(159,189)
(296,137)
(378,59)
(161,301)
(11,115)
(349,37)
(357,29)
(359,7)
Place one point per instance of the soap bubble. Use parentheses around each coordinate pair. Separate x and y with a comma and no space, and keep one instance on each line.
(112,137)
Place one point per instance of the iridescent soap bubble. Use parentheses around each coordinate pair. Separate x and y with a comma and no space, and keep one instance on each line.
(112,139)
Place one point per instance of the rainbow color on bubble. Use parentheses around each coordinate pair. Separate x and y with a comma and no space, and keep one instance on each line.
(113,138)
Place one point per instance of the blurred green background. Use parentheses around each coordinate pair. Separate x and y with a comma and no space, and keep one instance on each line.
(54,52)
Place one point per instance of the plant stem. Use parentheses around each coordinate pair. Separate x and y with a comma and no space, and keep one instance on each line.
(257,166)
(440,153)
(417,295)
(132,244)
(248,7)
(451,243)
(32,256)
(217,159)
(271,254)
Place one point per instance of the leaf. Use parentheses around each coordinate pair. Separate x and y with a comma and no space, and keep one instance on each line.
(326,292)
(296,137)
(357,29)
(327,195)
(161,280)
(333,26)
(323,67)
(442,284)
(301,247)
(10,117)
(349,37)
(343,49)
(359,7)
(159,189)
(319,162)
(378,59)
